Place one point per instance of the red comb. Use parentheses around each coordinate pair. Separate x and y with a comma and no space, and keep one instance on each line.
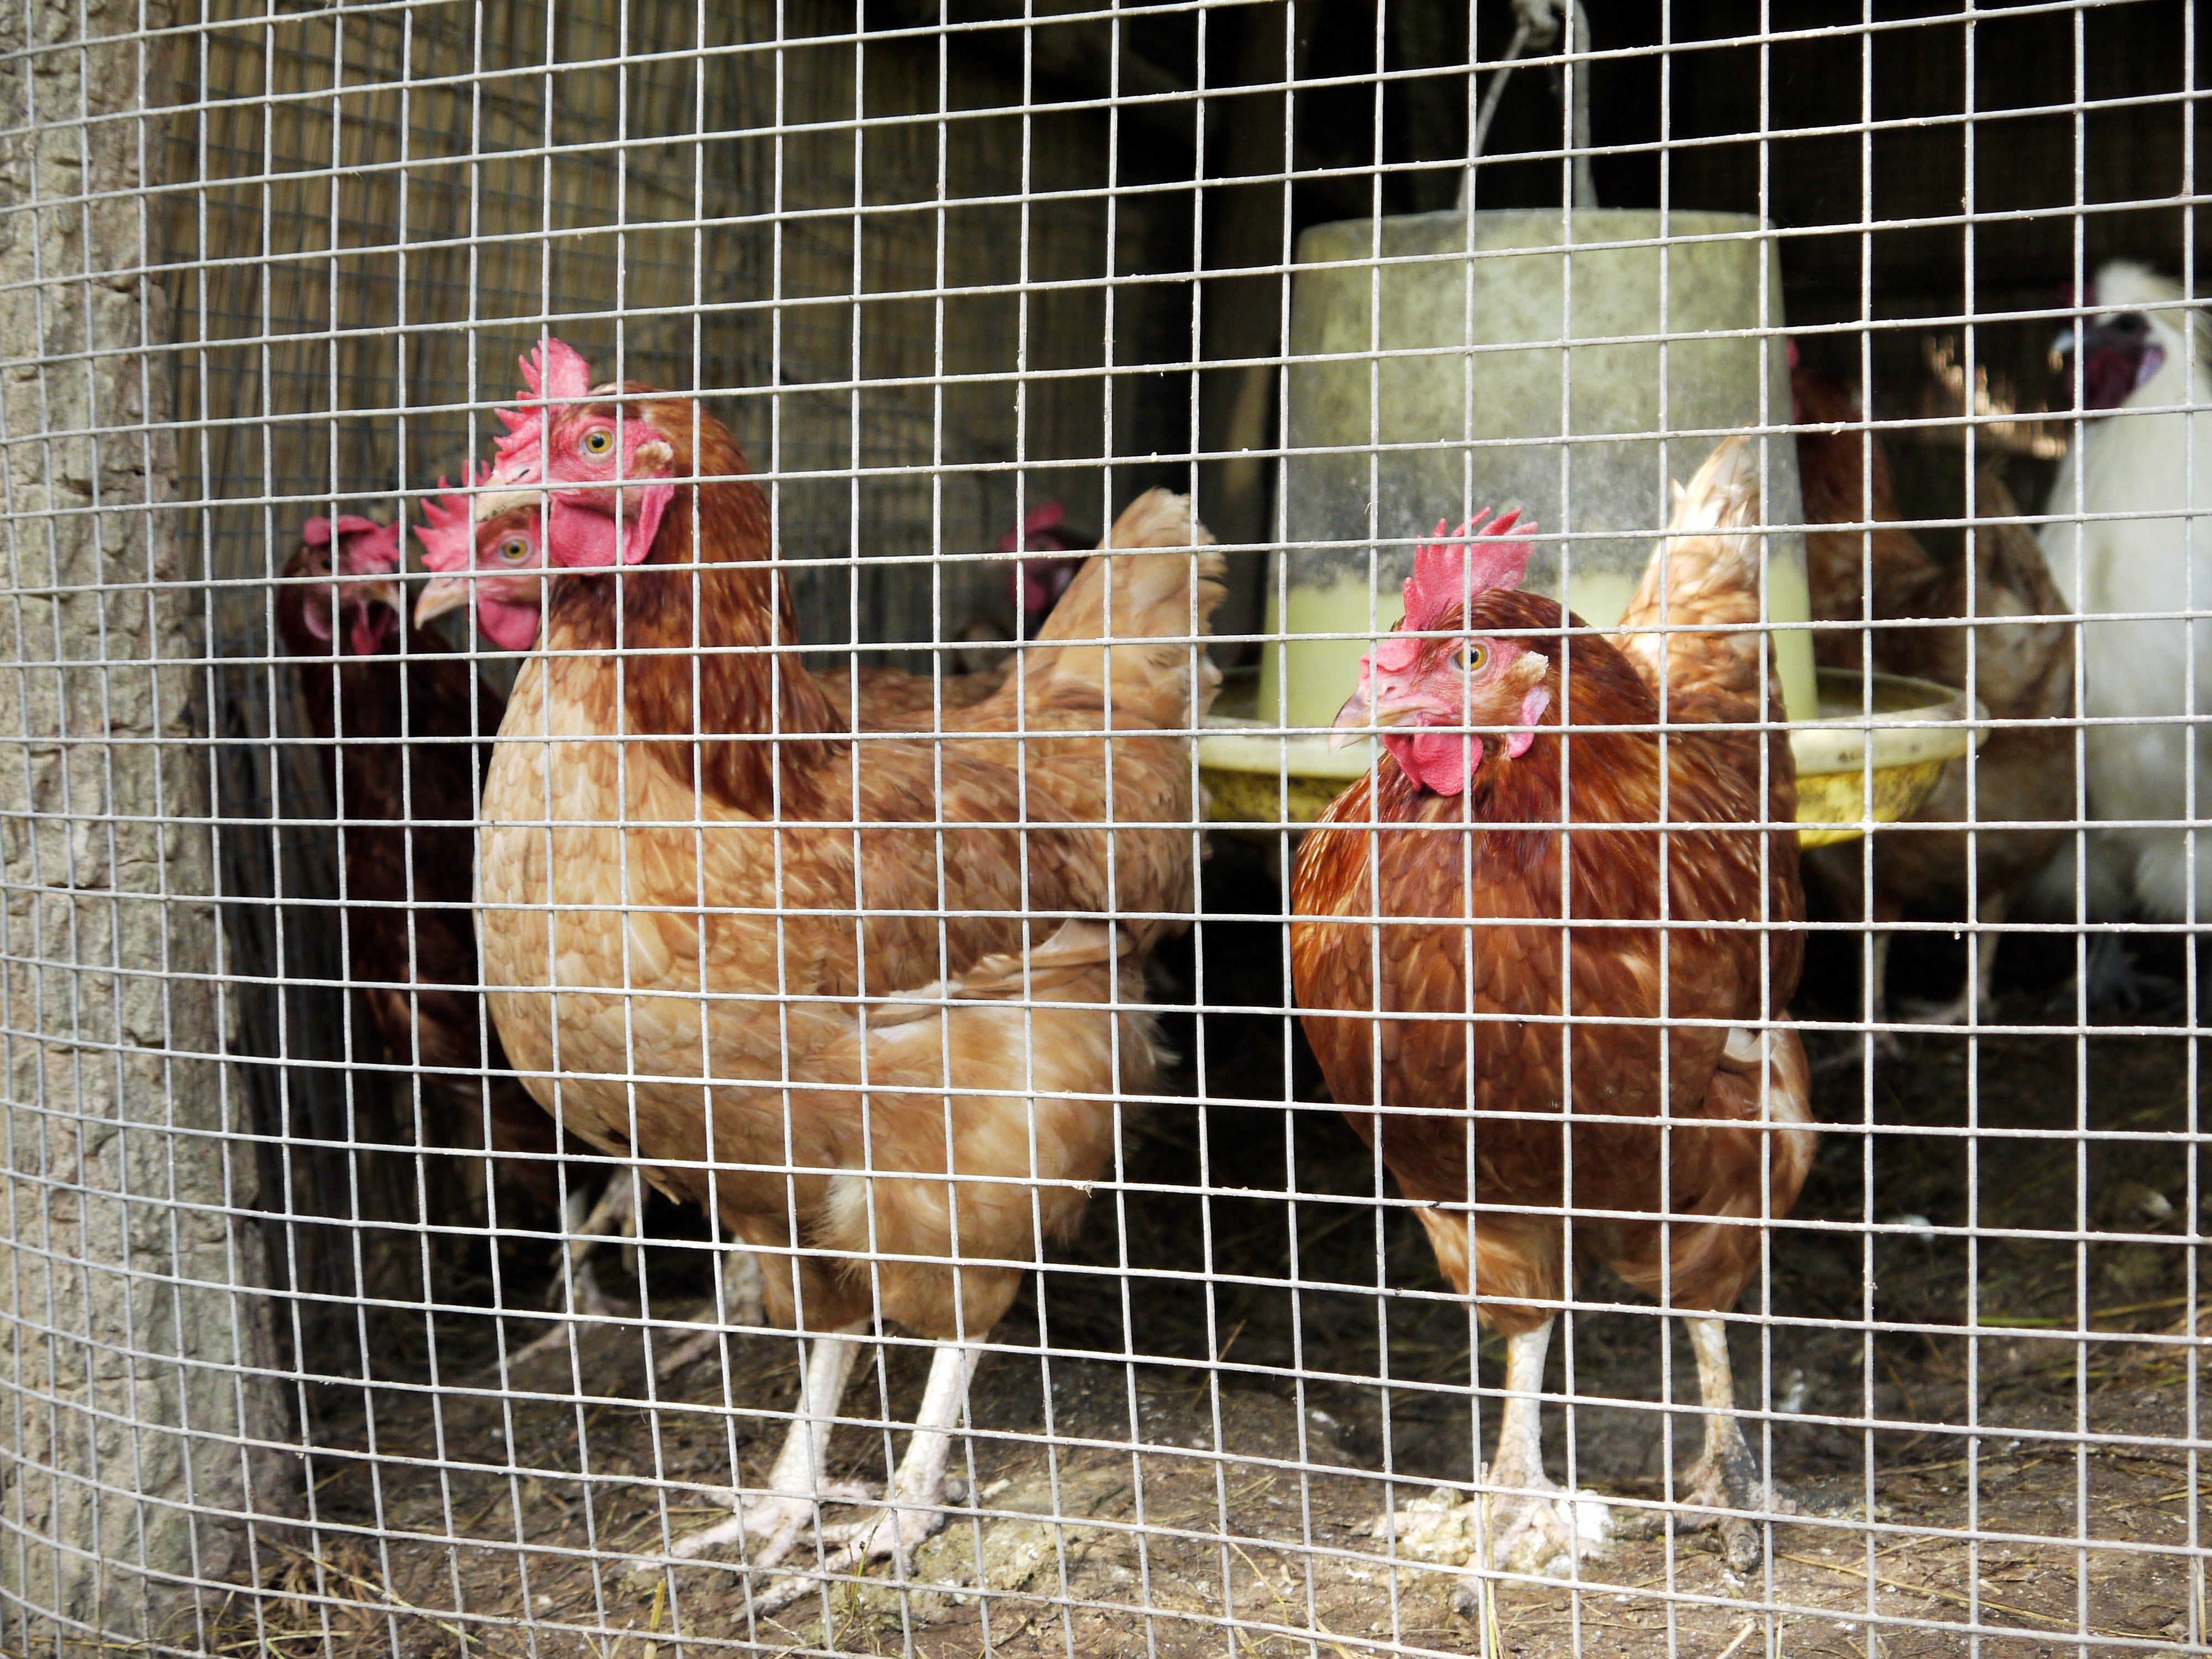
(554,370)
(1046,517)
(448,532)
(366,546)
(1453,569)
(316,533)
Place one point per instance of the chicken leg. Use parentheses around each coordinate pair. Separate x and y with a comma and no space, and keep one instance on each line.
(1727,1476)
(744,1302)
(1532,1524)
(616,1215)
(799,1483)
(915,1506)
(1972,1004)
(616,1212)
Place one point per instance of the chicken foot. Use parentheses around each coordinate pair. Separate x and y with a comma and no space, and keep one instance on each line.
(914,1507)
(1972,1004)
(1532,1524)
(1727,1476)
(799,1483)
(616,1212)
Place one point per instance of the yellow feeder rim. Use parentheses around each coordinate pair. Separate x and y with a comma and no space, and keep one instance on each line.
(1915,728)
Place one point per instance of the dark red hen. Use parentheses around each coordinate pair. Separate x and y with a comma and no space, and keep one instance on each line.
(404,741)
(1516,966)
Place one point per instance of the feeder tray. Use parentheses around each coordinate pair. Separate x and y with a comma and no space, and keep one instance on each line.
(1255,779)
(1916,728)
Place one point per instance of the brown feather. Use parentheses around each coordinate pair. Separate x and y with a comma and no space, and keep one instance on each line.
(2022,672)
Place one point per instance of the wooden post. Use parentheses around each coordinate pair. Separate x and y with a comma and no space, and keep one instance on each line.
(135,1361)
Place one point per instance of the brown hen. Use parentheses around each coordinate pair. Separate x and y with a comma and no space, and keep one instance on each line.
(1948,859)
(1458,1004)
(1844,475)
(807,974)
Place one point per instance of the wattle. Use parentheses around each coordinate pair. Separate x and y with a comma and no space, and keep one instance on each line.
(507,624)
(2108,378)
(1439,762)
(370,628)
(580,535)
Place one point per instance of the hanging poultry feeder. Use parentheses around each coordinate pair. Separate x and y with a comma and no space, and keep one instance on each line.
(1537,359)
(1437,369)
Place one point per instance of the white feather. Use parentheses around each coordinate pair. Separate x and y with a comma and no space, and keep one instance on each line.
(2148,456)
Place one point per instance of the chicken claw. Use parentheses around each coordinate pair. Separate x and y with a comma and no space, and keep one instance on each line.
(777,1522)
(800,1483)
(892,1535)
(895,1534)
(1537,1528)
(917,1497)
(1726,1478)
(1534,1527)
(1730,1481)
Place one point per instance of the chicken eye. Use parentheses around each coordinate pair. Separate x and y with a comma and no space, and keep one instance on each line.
(599,440)
(1471,659)
(515,550)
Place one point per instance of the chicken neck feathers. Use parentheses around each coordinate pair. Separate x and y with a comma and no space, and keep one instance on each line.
(1850,522)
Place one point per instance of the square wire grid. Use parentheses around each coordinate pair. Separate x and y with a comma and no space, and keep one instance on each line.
(319,1339)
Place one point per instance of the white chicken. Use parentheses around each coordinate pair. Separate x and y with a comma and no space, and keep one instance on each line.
(2141,449)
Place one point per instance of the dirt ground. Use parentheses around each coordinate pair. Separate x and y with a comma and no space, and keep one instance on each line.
(1229,1401)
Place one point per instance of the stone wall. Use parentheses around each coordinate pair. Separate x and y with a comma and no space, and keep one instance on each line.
(135,1430)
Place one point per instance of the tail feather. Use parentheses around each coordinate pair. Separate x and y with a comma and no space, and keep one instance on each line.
(1165,580)
(1705,570)
(1071,953)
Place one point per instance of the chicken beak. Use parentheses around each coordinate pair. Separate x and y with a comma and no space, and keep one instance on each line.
(495,503)
(1353,720)
(442,594)
(387,594)
(1357,722)
(2061,348)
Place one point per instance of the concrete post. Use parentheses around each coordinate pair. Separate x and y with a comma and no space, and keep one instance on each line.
(134,1348)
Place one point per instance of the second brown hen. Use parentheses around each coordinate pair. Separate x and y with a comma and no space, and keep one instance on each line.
(401,736)
(1947,859)
(1851,528)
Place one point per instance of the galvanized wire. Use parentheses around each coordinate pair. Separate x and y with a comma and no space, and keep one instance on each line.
(300,1360)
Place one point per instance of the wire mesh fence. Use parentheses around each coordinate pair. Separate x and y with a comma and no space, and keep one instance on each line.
(1291,827)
